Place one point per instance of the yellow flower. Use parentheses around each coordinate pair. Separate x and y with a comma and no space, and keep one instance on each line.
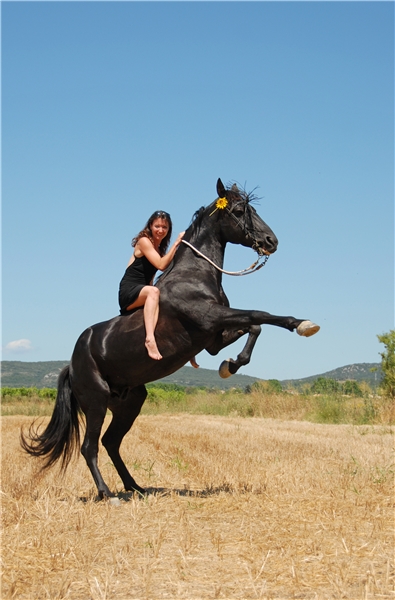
(221,203)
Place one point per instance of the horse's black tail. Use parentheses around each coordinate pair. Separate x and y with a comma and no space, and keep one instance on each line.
(61,437)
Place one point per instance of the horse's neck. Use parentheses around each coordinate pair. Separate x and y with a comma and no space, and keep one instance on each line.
(207,243)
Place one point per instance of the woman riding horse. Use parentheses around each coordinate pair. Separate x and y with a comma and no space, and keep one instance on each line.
(136,289)
(108,371)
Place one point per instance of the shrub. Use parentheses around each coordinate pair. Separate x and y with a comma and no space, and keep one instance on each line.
(268,386)
(388,363)
(8,393)
(167,396)
(324,385)
(351,388)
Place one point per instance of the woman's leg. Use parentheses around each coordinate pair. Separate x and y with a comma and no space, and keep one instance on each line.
(149,298)
(151,315)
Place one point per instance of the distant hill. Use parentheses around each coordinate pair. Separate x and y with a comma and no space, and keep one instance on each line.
(31,374)
(356,372)
(45,374)
(209,378)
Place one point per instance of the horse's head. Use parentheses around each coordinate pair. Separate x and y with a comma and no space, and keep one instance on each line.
(239,221)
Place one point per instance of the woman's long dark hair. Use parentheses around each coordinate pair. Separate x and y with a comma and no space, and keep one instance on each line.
(146,232)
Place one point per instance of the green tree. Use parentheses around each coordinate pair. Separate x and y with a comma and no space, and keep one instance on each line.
(324,385)
(351,388)
(265,386)
(388,363)
(275,386)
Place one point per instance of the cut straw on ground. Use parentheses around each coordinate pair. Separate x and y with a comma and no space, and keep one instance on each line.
(237,508)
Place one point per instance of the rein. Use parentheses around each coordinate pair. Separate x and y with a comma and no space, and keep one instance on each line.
(251,269)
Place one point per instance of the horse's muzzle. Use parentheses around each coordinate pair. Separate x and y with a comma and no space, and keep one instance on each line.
(261,251)
(269,244)
(266,248)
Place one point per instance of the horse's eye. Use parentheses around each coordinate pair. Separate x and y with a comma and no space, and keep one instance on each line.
(238,210)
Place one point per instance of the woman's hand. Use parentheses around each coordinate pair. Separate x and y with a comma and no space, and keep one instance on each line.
(179,238)
(145,246)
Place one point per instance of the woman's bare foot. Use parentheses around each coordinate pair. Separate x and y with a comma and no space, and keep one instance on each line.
(194,363)
(152,349)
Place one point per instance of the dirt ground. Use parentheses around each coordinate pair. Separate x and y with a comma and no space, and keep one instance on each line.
(237,508)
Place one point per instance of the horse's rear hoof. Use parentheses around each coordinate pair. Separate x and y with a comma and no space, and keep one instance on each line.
(114,501)
(136,489)
(225,369)
(307,328)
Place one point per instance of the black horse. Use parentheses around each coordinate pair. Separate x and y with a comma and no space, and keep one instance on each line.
(110,365)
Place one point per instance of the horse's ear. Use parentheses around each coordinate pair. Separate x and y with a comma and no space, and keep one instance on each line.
(221,191)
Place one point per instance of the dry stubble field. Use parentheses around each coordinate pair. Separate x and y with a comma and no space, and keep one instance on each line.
(238,508)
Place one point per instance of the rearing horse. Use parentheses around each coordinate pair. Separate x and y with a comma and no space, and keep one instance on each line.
(110,366)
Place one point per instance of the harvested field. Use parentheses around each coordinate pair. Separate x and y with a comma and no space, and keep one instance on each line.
(238,508)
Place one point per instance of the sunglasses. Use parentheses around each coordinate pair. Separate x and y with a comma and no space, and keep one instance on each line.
(161,214)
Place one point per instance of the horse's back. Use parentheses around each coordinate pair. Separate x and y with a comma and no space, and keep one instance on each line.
(114,351)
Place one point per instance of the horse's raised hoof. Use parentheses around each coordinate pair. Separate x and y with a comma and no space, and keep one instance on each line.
(307,328)
(225,370)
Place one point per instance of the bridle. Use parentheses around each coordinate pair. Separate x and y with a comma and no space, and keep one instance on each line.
(248,231)
(255,246)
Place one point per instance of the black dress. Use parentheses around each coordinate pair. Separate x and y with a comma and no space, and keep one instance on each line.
(139,274)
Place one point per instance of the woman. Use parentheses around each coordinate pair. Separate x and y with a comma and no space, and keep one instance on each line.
(136,289)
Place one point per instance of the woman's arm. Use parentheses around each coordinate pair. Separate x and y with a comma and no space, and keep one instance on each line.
(160,262)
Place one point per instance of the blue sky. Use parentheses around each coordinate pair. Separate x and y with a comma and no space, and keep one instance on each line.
(111,110)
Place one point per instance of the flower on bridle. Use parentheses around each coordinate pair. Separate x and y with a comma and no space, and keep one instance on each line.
(220,204)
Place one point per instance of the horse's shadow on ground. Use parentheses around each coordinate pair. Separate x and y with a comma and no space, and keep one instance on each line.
(161,492)
(212,491)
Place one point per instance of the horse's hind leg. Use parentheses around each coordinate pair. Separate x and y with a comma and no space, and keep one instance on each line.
(95,414)
(230,367)
(125,411)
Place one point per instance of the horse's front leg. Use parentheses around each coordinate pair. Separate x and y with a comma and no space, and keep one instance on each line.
(225,338)
(223,317)
(236,319)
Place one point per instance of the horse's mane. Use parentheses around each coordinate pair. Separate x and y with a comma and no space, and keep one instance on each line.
(196,222)
(236,191)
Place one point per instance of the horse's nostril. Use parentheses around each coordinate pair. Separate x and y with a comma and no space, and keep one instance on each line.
(271,242)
